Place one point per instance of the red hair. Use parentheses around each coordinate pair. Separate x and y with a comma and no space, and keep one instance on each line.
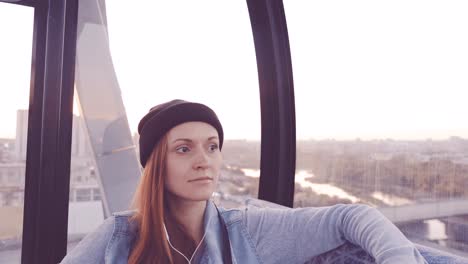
(151,244)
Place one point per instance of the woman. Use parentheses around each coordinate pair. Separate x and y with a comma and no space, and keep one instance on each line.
(176,222)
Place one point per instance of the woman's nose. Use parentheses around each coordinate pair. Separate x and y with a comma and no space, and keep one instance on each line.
(202,160)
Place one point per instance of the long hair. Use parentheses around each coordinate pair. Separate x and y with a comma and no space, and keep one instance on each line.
(151,244)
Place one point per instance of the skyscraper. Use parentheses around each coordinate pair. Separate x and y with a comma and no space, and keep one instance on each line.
(21,134)
(80,146)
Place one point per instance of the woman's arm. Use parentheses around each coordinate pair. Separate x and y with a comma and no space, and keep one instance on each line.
(297,235)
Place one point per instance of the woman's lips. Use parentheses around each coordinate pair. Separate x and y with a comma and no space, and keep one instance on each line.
(202,179)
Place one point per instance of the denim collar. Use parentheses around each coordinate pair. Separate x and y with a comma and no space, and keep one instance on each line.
(215,243)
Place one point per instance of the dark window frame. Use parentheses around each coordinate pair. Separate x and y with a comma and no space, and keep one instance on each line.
(278,139)
(47,180)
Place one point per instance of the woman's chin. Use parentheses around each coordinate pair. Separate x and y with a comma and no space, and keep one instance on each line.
(195,196)
(200,196)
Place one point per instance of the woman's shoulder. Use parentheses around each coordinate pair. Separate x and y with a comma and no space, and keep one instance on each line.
(250,208)
(123,222)
(92,248)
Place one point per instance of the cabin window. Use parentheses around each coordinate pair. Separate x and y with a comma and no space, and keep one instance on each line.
(380,92)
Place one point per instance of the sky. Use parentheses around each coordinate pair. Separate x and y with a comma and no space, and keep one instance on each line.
(361,69)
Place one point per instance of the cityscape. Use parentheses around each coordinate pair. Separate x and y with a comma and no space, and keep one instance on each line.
(383,173)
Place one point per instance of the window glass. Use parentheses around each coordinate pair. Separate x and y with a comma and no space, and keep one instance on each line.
(145,55)
(380,92)
(177,51)
(16,29)
(85,211)
(96,194)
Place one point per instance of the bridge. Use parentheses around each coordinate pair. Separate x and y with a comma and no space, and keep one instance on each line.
(425,210)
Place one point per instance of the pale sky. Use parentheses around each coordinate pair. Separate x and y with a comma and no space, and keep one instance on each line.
(367,69)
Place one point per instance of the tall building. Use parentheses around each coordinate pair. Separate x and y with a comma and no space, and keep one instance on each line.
(83,181)
(21,134)
(80,146)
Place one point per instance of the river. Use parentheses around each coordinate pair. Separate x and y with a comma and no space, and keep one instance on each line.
(332,190)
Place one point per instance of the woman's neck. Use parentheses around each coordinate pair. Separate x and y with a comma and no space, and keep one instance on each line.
(189,214)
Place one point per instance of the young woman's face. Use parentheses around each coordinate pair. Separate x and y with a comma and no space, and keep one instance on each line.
(193,161)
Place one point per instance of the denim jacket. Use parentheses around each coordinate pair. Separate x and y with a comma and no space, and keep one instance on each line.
(264,235)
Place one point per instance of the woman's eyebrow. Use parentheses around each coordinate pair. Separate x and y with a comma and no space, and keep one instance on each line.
(182,139)
(189,140)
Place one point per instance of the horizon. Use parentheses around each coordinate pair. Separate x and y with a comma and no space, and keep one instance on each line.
(440,137)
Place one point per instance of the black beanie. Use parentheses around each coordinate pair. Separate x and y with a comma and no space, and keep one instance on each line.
(163,117)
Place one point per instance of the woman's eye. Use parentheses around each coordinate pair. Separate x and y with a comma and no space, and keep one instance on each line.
(182,149)
(213,147)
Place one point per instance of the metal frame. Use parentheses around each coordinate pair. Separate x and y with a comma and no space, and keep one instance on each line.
(278,151)
(49,132)
(118,168)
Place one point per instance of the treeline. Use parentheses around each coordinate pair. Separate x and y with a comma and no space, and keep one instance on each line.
(405,175)
(234,182)
(411,169)
(242,153)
